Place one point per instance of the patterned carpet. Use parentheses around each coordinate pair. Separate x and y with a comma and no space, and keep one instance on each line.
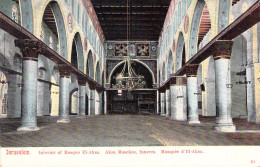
(125,130)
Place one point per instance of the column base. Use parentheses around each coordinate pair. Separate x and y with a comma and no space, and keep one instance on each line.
(194,122)
(178,119)
(28,129)
(225,128)
(63,121)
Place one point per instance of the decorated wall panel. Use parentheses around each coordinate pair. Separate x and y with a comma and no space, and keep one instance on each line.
(138,50)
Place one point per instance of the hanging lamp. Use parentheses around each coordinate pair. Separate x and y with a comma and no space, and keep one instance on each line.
(127,78)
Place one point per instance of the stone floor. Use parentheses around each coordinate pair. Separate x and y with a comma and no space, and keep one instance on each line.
(125,130)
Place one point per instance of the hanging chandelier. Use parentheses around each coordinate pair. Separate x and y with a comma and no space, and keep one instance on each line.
(127,78)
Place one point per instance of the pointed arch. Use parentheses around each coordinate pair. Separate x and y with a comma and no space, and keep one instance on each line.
(58,26)
(195,27)
(77,58)
(180,52)
(98,75)
(120,63)
(90,65)
(163,72)
(170,65)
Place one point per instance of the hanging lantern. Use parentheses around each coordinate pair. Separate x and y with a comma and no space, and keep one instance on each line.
(128,79)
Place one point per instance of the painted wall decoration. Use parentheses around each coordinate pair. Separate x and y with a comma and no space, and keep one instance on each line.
(95,57)
(132,49)
(121,50)
(173,45)
(153,48)
(14,14)
(110,47)
(142,50)
(85,43)
(150,49)
(186,23)
(70,22)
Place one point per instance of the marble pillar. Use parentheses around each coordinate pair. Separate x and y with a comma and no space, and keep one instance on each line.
(162,104)
(157,102)
(64,95)
(98,103)
(30,49)
(105,102)
(178,99)
(101,103)
(221,54)
(92,101)
(168,103)
(192,97)
(82,99)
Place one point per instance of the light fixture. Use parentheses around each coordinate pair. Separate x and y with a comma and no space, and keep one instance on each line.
(127,78)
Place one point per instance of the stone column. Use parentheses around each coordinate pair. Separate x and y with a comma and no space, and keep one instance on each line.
(101,103)
(192,90)
(221,54)
(105,102)
(157,102)
(82,98)
(64,95)
(91,100)
(30,49)
(162,104)
(178,99)
(168,102)
(98,102)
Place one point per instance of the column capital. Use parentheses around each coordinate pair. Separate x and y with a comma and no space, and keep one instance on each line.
(191,70)
(64,70)
(30,48)
(222,49)
(82,82)
(178,80)
(92,86)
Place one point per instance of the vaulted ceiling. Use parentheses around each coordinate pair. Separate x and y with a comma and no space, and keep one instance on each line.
(146,18)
